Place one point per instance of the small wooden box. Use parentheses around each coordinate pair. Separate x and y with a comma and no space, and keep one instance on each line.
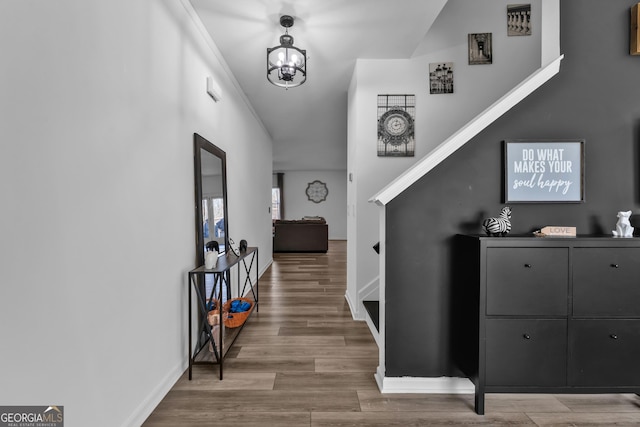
(634,38)
(559,231)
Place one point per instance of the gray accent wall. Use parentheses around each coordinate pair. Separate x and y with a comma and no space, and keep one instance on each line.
(596,96)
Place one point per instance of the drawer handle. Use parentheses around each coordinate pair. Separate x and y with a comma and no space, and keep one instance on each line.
(527,266)
(526,336)
(615,266)
(613,336)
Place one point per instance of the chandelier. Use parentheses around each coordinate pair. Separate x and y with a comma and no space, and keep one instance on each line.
(286,64)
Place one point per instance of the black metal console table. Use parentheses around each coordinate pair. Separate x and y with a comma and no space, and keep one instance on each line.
(248,260)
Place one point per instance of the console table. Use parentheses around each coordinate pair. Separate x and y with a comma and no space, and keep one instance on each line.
(248,260)
(547,315)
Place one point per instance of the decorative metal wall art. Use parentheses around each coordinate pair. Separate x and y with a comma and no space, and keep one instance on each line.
(317,191)
(396,131)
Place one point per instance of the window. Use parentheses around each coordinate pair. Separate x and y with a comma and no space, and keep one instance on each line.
(218,216)
(275,203)
(212,216)
(205,219)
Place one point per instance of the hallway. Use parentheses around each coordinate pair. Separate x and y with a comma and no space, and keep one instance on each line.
(303,361)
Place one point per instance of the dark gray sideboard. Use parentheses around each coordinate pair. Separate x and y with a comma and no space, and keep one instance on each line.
(547,315)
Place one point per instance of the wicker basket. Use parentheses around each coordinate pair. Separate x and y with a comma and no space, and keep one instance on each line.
(235,320)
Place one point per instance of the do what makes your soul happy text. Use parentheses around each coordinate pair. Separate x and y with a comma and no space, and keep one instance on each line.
(540,161)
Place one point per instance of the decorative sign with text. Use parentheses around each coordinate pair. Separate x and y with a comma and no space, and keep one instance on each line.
(544,171)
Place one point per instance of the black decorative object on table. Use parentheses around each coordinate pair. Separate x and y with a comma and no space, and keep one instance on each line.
(243,245)
(212,246)
(233,247)
(499,226)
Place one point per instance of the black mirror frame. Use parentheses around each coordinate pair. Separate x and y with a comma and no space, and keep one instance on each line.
(201,144)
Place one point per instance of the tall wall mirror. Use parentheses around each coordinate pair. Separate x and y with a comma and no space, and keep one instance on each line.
(210,167)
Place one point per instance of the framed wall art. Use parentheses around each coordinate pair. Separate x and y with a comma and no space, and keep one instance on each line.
(634,41)
(518,20)
(441,77)
(396,131)
(544,171)
(317,191)
(480,49)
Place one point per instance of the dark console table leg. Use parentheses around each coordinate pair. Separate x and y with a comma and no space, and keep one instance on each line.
(479,402)
(189,320)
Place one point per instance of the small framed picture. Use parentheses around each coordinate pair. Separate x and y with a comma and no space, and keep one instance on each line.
(544,171)
(518,20)
(480,49)
(441,77)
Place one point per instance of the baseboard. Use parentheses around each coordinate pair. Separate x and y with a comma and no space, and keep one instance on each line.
(445,385)
(265,268)
(146,407)
(355,313)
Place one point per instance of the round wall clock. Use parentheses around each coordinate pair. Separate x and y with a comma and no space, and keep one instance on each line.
(317,191)
(395,126)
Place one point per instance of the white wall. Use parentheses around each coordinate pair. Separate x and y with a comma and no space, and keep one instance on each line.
(333,209)
(99,104)
(437,117)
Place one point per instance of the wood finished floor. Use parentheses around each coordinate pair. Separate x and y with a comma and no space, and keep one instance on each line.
(303,361)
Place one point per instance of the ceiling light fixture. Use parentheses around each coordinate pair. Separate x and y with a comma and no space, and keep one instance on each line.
(286,64)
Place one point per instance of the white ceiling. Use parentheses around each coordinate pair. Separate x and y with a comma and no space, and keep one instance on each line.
(308,123)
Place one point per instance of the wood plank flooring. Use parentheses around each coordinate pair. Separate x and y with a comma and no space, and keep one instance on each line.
(303,361)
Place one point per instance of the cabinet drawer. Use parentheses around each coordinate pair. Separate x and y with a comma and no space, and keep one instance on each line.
(606,282)
(530,352)
(604,353)
(527,281)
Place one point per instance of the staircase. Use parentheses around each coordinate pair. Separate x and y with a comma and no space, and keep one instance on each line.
(464,134)
(550,60)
